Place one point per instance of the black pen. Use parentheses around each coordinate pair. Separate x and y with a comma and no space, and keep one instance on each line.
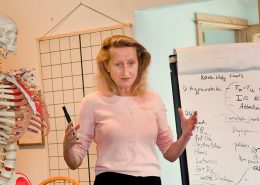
(69,121)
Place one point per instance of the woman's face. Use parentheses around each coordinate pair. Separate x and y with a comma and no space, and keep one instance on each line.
(123,68)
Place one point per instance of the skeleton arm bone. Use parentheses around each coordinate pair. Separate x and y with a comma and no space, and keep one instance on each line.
(30,101)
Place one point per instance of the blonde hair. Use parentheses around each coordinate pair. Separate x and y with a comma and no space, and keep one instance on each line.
(104,80)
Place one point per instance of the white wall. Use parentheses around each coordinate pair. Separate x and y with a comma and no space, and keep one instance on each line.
(163,29)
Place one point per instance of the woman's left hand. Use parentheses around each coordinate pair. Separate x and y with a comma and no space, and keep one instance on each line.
(188,125)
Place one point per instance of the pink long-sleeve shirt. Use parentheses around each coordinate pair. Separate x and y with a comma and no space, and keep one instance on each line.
(126,130)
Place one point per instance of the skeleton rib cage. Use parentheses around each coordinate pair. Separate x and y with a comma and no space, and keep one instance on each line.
(21,109)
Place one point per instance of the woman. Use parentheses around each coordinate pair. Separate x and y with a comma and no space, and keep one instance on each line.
(124,119)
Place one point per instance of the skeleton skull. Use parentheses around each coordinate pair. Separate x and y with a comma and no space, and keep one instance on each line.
(8,35)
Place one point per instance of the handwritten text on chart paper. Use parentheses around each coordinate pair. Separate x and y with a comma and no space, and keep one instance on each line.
(225,147)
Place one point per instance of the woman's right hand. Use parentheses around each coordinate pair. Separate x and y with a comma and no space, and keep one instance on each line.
(70,140)
(70,137)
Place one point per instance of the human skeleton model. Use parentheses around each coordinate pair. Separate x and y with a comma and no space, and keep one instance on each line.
(21,106)
(8,36)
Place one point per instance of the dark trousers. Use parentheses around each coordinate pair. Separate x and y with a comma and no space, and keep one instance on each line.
(111,178)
